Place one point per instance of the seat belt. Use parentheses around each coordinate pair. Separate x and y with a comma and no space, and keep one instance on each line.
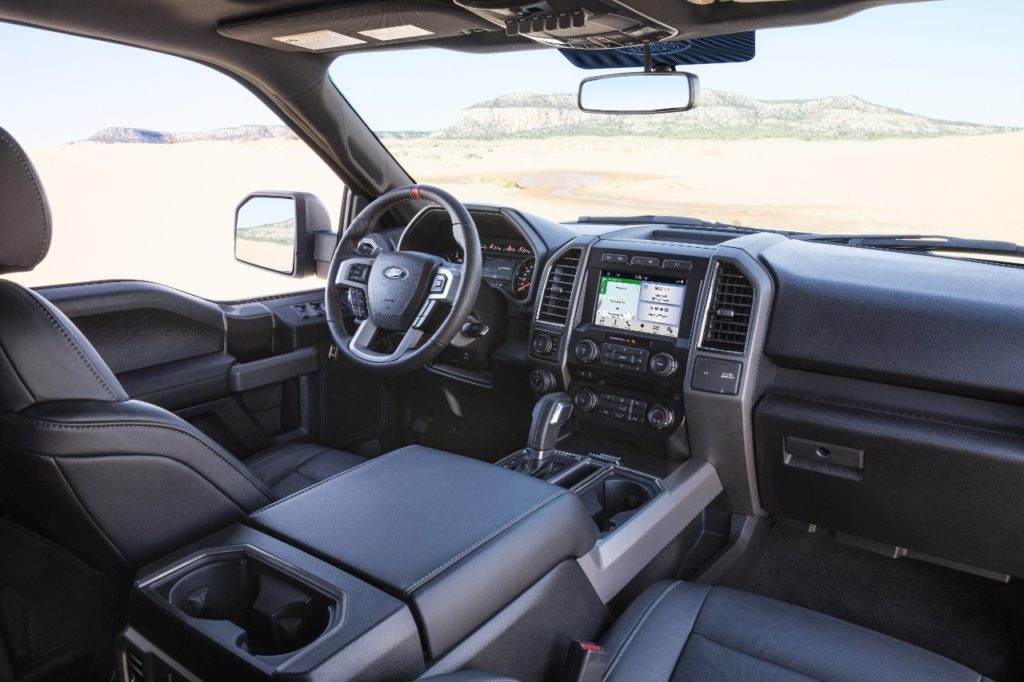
(585,662)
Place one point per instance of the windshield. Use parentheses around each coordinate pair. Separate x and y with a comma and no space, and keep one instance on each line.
(904,118)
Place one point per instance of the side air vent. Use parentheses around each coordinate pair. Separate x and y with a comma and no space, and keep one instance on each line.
(554,303)
(727,320)
(133,665)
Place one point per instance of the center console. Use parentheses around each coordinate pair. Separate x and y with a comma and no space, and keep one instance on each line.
(392,568)
(613,329)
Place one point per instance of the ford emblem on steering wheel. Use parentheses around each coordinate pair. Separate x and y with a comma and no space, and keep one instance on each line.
(395,273)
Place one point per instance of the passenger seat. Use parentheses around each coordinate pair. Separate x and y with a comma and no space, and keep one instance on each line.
(678,631)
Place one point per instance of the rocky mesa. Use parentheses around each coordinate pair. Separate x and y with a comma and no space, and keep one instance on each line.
(721,115)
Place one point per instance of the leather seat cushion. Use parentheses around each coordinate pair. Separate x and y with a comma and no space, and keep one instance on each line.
(291,467)
(683,631)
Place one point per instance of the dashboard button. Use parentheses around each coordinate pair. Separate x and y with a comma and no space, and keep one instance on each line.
(676,264)
(716,376)
(645,260)
(614,258)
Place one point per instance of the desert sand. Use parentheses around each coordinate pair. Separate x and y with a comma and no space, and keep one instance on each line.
(164,213)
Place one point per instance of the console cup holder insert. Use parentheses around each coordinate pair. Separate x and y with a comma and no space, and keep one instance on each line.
(614,499)
(250,601)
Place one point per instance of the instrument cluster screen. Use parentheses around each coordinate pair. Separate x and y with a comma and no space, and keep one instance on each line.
(640,303)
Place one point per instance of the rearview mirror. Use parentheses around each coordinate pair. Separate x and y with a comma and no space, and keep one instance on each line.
(276,231)
(649,92)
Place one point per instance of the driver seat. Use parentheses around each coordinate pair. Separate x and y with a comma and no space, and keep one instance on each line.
(117,482)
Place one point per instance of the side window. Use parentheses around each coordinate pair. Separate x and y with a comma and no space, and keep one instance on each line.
(144,158)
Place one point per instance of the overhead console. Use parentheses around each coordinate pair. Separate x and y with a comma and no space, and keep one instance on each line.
(590,24)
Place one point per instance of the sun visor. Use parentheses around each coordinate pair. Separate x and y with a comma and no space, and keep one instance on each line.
(734,47)
(357,26)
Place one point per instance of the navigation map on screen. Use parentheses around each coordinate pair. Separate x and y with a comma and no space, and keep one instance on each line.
(640,303)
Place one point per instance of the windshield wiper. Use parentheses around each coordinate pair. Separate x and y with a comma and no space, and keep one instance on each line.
(918,243)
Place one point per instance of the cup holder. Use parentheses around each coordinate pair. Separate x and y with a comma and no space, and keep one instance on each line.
(245,601)
(615,499)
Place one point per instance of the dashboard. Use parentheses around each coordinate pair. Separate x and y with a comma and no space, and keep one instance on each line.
(862,390)
(509,251)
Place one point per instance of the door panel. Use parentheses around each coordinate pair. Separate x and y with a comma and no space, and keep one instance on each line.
(247,374)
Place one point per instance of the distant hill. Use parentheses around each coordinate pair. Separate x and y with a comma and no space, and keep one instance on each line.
(721,115)
(235,134)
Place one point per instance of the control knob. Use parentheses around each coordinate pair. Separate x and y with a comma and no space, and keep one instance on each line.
(585,400)
(542,380)
(663,365)
(660,417)
(586,351)
(543,344)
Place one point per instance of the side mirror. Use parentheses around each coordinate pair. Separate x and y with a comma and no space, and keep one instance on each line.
(648,92)
(276,231)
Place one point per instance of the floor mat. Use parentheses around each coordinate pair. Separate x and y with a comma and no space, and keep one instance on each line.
(963,617)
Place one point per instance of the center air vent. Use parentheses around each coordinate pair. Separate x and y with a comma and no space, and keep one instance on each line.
(554,303)
(727,320)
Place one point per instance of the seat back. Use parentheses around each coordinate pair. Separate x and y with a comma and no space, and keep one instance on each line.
(117,482)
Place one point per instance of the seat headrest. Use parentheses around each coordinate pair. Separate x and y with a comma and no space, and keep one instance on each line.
(24,212)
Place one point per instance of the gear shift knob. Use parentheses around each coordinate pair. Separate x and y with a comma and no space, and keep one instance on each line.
(549,414)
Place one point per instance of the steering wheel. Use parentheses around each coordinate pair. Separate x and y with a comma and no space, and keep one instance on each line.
(401,292)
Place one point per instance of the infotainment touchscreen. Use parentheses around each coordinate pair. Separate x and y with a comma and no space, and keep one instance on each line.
(640,303)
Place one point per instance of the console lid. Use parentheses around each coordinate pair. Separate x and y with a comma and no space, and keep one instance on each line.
(456,538)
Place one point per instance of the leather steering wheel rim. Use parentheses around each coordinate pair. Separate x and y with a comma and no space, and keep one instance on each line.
(462,284)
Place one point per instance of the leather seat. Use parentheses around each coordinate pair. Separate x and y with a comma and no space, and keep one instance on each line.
(683,631)
(118,482)
(291,467)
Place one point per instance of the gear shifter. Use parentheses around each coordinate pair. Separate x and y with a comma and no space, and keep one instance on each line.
(550,413)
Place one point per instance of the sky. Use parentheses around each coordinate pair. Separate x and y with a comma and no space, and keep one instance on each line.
(951,59)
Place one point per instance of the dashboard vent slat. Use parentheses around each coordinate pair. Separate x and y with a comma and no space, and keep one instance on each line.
(727,320)
(555,302)
(134,665)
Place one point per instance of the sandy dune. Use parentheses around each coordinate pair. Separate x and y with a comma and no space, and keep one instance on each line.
(966,186)
(165,212)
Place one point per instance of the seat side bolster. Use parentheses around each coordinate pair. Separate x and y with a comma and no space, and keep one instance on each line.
(648,640)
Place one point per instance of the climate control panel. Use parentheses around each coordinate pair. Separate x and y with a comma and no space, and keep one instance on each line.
(626,354)
(624,408)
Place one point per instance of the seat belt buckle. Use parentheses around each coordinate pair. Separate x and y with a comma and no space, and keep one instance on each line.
(585,662)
